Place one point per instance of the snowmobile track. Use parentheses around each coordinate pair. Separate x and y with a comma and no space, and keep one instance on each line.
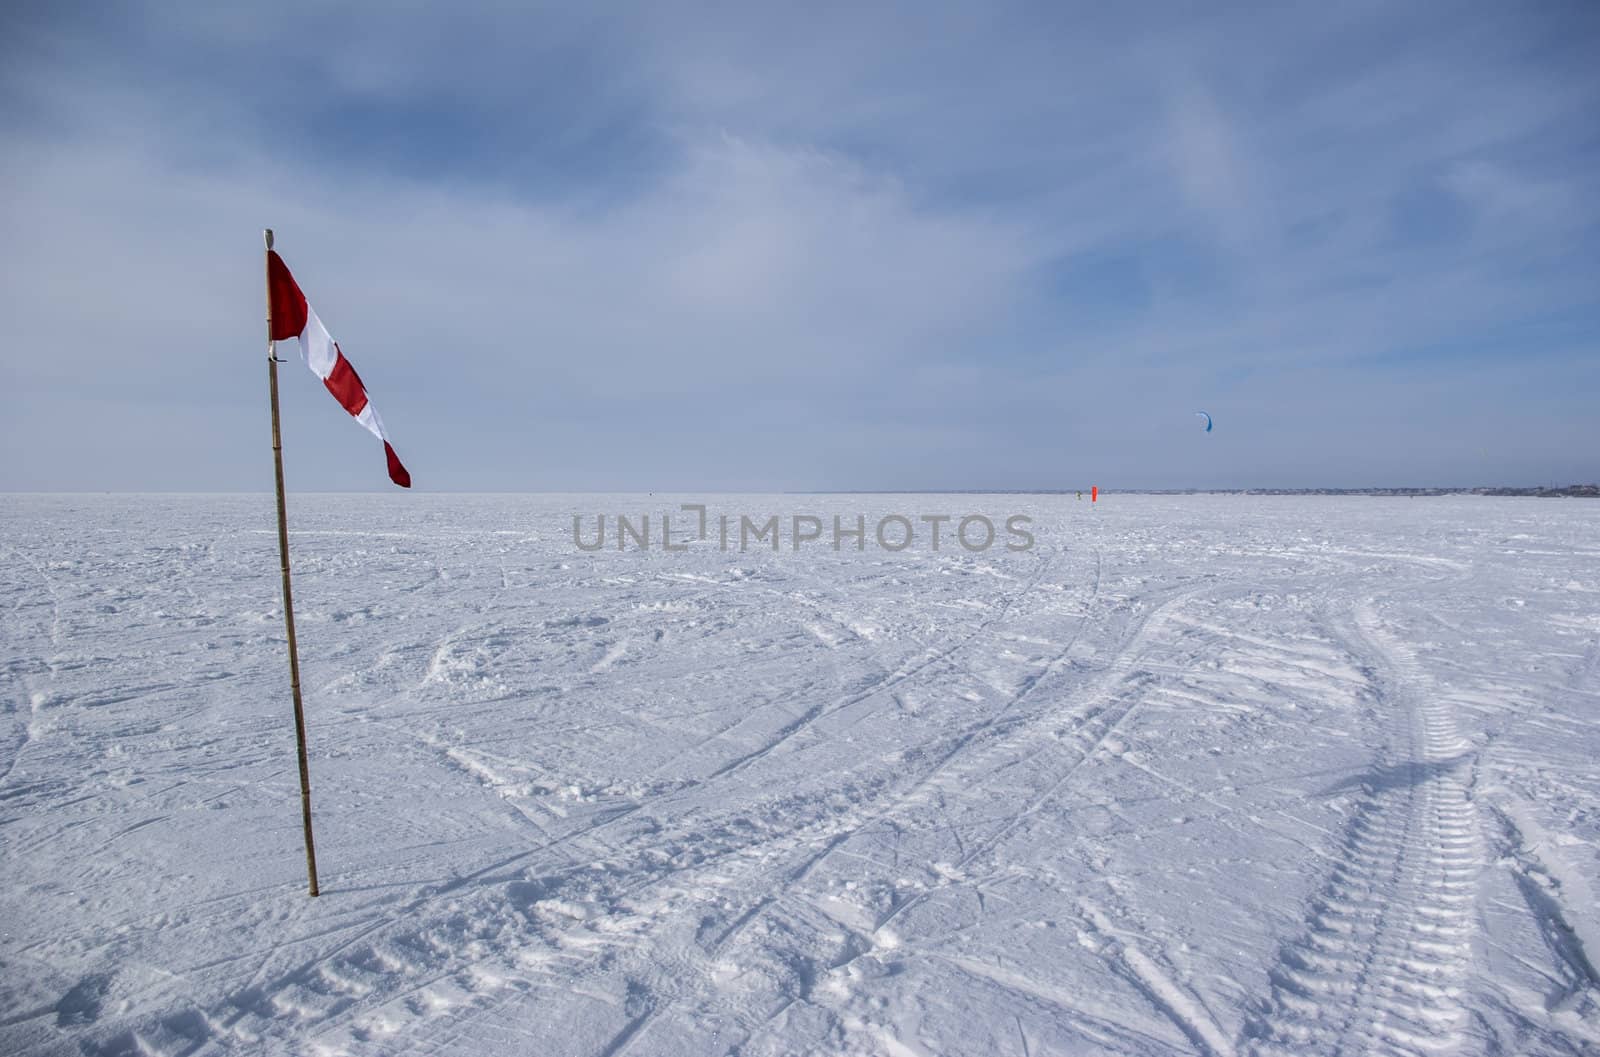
(1379,966)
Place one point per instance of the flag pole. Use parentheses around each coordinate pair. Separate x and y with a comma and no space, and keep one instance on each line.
(288,597)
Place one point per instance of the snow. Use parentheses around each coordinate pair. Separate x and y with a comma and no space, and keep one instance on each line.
(1204,774)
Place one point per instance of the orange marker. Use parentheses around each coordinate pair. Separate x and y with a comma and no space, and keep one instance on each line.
(1094,494)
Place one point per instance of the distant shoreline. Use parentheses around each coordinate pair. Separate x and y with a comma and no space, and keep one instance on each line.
(1585,491)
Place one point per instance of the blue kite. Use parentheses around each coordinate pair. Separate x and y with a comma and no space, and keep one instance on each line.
(1207,417)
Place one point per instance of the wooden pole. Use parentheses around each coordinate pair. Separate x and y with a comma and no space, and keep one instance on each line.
(288,596)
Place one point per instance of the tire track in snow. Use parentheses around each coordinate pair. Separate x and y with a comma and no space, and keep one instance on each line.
(342,992)
(1096,716)
(1110,702)
(669,798)
(1091,720)
(1379,967)
(826,834)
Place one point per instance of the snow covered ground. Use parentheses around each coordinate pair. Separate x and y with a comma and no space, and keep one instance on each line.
(1215,775)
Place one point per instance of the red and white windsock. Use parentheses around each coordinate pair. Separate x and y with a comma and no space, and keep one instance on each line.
(292,317)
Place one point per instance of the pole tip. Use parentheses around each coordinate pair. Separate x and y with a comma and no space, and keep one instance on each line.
(266,235)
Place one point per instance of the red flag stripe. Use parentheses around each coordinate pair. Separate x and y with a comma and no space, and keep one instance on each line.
(345,384)
(397,472)
(288,303)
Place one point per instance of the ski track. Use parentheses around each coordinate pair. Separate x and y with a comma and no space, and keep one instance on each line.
(1085,723)
(833,833)
(883,685)
(873,805)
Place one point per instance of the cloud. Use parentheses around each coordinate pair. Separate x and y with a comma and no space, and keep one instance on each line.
(1214,177)
(904,248)
(751,270)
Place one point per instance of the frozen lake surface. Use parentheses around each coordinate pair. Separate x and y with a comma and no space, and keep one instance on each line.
(1217,775)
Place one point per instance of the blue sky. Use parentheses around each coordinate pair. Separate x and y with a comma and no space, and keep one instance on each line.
(663,247)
